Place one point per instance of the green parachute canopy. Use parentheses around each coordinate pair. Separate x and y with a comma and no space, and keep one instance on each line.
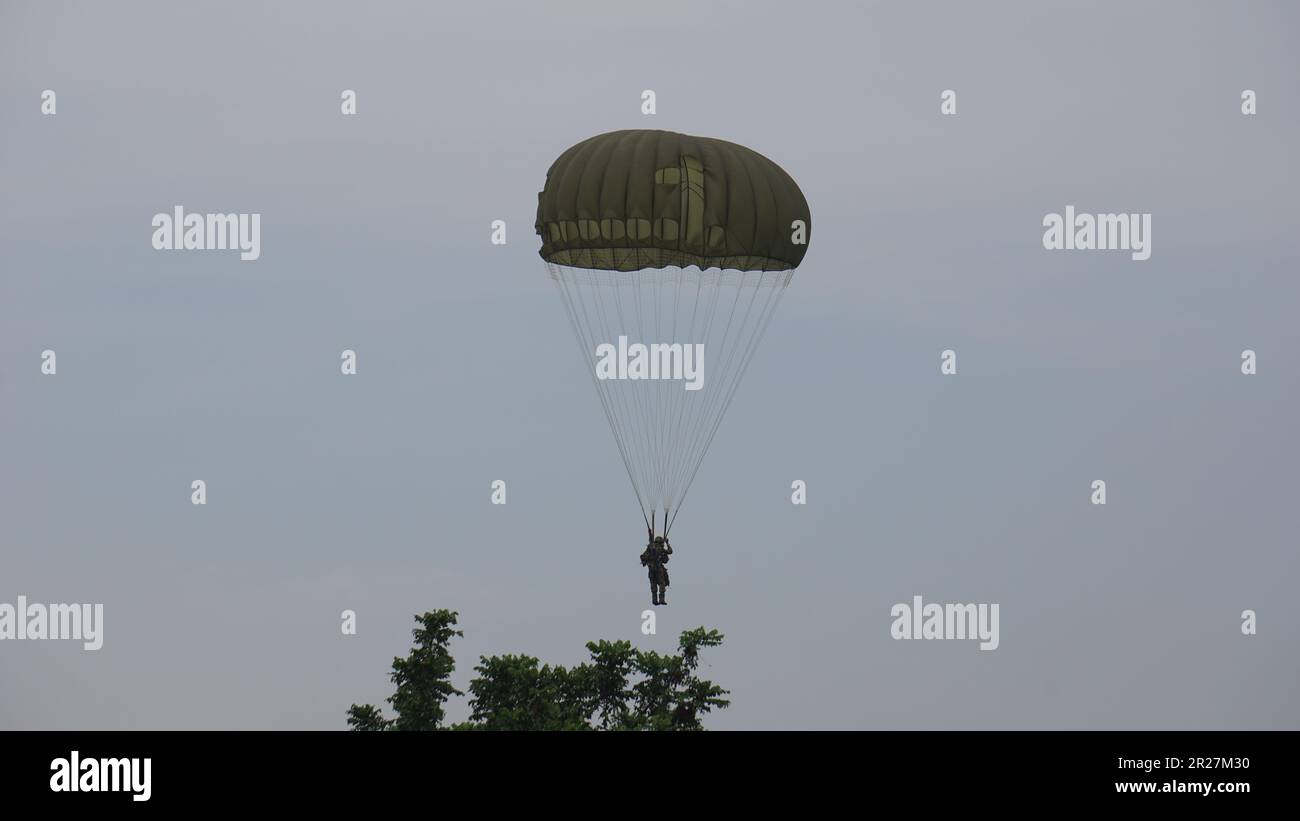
(637,199)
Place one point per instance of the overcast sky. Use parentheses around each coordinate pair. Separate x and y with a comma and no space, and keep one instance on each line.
(371,492)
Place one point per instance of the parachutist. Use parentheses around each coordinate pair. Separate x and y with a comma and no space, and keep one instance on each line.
(649,235)
(653,559)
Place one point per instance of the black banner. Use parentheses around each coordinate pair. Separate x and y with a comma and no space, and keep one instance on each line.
(333,770)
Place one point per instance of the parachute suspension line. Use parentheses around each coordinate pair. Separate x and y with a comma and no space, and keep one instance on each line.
(558,274)
(572,303)
(663,430)
(679,420)
(619,417)
(629,429)
(668,420)
(686,450)
(684,454)
(701,420)
(774,299)
(631,414)
(714,401)
(630,301)
(641,422)
(664,389)
(666,400)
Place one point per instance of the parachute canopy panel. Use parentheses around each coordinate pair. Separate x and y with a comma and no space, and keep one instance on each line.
(630,200)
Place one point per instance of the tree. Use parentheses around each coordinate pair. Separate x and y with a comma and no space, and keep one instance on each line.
(621,688)
(423,680)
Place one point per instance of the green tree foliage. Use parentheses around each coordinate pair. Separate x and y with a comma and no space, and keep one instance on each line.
(621,688)
(423,680)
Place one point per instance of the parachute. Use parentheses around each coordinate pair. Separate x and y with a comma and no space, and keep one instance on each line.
(670,253)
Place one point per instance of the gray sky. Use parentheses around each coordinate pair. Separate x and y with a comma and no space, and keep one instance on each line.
(371,493)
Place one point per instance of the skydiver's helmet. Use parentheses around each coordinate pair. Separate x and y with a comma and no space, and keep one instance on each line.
(659,540)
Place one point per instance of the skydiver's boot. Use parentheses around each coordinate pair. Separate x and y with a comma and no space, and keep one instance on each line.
(654,594)
(662,590)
